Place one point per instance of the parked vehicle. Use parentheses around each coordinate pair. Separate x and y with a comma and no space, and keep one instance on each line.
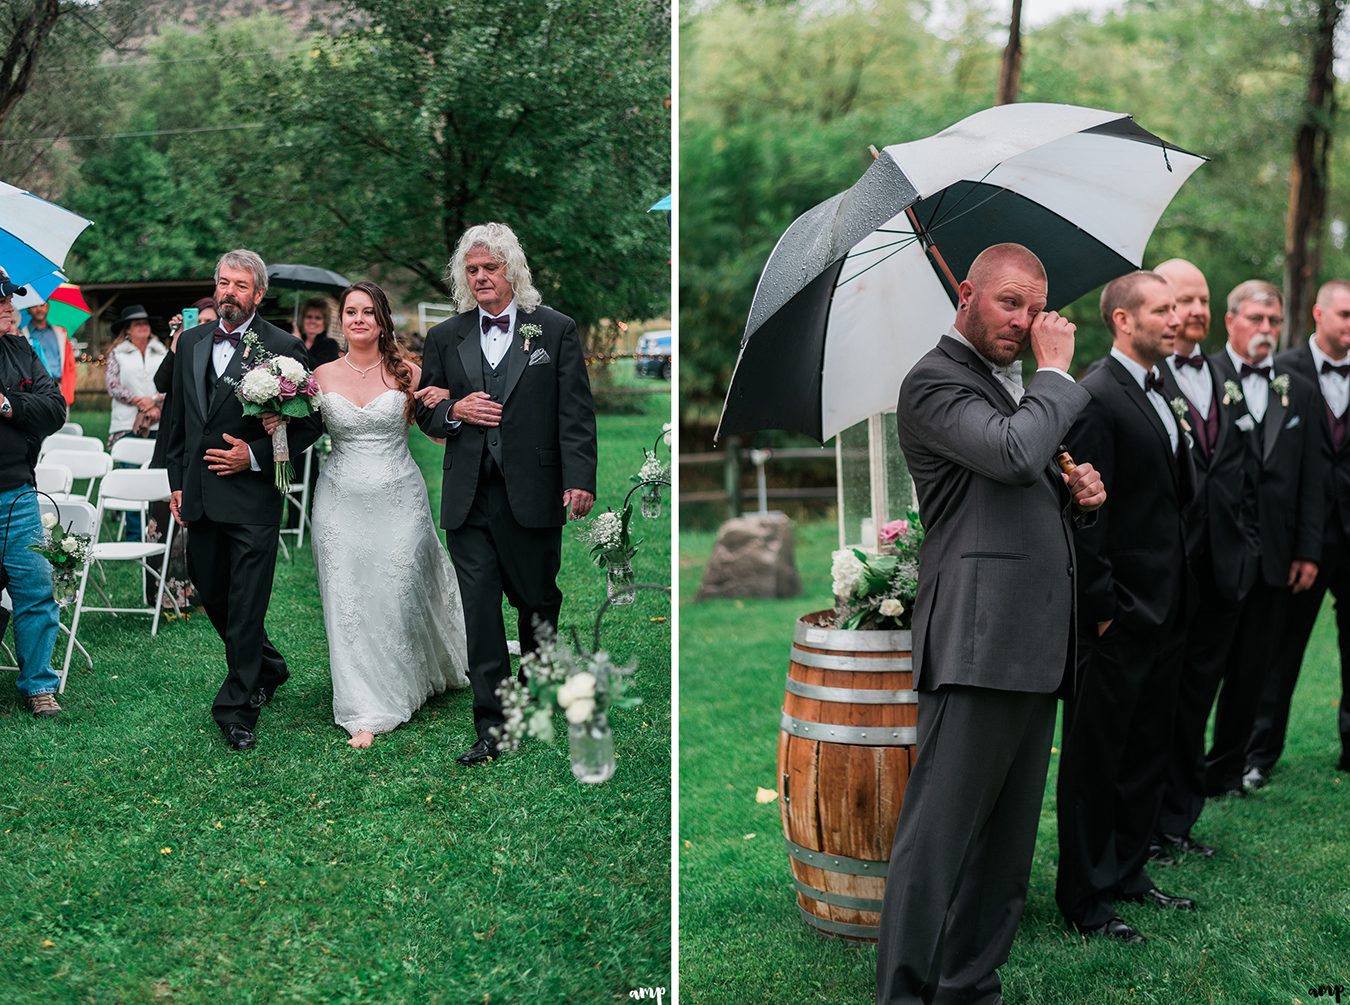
(653,354)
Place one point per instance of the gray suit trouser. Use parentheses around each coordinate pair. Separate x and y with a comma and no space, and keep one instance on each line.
(962,855)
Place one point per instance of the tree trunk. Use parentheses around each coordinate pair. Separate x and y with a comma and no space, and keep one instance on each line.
(29,29)
(1010,76)
(1308,181)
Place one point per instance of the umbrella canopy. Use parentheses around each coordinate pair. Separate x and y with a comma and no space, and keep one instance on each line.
(39,290)
(66,308)
(862,285)
(662,204)
(305,277)
(35,235)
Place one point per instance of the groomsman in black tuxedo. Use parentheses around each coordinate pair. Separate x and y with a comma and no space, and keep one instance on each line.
(505,384)
(1132,596)
(1284,415)
(220,469)
(1223,546)
(1324,363)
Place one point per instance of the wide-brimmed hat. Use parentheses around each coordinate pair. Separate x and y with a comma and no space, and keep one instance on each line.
(130,313)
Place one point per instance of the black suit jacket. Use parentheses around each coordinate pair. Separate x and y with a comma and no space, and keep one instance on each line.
(1222,526)
(1132,564)
(1289,494)
(1334,463)
(199,424)
(548,418)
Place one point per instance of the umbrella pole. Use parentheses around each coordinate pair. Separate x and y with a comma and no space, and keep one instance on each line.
(932,249)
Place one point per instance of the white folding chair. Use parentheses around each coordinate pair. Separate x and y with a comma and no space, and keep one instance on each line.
(133,450)
(84,465)
(54,479)
(64,441)
(77,517)
(134,486)
(297,497)
(71,429)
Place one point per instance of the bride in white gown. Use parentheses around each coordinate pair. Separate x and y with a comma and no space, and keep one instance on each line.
(391,604)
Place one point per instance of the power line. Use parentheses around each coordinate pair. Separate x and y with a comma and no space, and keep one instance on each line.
(136,133)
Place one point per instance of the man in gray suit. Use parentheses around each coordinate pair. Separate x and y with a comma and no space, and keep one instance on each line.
(993,629)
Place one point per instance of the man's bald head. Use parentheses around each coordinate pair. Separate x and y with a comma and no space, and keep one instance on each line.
(1001,259)
(1192,294)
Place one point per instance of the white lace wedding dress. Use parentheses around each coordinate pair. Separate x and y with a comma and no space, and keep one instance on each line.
(391,604)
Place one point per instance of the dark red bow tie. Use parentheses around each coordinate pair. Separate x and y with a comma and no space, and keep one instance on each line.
(503,322)
(1340,370)
(222,335)
(1255,371)
(1197,361)
(1153,382)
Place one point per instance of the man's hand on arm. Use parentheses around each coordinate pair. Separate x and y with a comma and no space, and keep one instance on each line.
(231,461)
(477,409)
(578,503)
(1052,340)
(1085,487)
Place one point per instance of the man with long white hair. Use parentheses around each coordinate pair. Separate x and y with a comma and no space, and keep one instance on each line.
(504,382)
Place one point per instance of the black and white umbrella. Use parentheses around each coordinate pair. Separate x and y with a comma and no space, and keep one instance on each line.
(862,285)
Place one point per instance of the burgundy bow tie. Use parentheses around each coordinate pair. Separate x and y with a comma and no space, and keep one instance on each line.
(1197,361)
(1255,371)
(503,322)
(1153,382)
(222,335)
(1340,370)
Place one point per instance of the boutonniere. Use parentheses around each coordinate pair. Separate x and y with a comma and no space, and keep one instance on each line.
(1179,409)
(1232,392)
(250,341)
(529,333)
(1280,385)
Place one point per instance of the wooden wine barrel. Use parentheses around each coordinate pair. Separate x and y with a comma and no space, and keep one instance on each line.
(847,738)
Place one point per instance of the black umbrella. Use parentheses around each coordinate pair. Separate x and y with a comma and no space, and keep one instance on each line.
(305,277)
(862,285)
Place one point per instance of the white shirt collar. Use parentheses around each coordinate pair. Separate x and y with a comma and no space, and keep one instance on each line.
(1136,370)
(966,342)
(243,327)
(510,313)
(1319,356)
(1238,362)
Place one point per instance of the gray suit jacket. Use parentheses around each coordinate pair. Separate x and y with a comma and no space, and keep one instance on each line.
(996,573)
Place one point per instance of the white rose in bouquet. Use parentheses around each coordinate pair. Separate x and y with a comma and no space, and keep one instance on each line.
(846,570)
(292,369)
(580,710)
(258,386)
(578,687)
(48,521)
(70,545)
(891,608)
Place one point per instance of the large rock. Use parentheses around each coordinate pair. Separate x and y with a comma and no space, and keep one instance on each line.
(752,558)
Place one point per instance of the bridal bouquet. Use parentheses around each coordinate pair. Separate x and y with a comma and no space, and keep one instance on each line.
(877,590)
(67,553)
(277,385)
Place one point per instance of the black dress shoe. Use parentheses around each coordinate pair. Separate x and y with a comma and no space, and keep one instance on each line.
(480,752)
(1157,854)
(1156,896)
(1187,844)
(1254,778)
(259,698)
(239,736)
(1115,928)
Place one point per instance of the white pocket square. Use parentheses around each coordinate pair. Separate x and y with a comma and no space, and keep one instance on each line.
(1293,422)
(539,356)
(1245,423)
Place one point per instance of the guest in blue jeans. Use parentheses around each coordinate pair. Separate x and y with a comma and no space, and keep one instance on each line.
(31,409)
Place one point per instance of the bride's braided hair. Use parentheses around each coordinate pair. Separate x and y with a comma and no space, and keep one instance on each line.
(391,353)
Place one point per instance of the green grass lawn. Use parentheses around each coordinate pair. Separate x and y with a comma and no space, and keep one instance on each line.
(143,861)
(1274,918)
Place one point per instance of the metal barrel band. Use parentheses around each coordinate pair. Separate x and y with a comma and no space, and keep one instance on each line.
(853,641)
(863,736)
(829,661)
(835,863)
(851,695)
(838,899)
(838,927)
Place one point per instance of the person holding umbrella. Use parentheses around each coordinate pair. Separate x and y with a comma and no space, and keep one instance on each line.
(54,347)
(313,332)
(997,519)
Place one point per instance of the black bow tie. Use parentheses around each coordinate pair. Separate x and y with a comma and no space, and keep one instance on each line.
(1255,371)
(1340,370)
(1197,361)
(503,322)
(1153,382)
(222,335)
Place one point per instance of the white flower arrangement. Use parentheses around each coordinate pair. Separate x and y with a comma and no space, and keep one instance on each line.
(1280,385)
(259,386)
(1232,392)
(846,571)
(530,332)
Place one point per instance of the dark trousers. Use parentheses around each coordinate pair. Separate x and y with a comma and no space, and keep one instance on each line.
(1209,646)
(493,554)
(1272,712)
(1260,625)
(962,854)
(1114,754)
(231,565)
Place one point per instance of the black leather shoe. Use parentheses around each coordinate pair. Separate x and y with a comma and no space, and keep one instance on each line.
(1156,896)
(1158,855)
(1116,928)
(1187,844)
(1254,778)
(239,736)
(480,752)
(259,698)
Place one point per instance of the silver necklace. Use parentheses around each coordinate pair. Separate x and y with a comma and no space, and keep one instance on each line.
(348,361)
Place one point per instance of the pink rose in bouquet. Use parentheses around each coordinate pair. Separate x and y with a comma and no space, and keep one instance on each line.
(893,531)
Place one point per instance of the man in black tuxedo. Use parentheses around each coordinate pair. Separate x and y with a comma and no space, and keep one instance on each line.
(1224,549)
(220,468)
(1282,410)
(1324,363)
(505,384)
(1132,595)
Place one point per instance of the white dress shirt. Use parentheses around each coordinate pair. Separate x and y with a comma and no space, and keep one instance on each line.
(1195,384)
(495,342)
(221,354)
(1159,403)
(1335,388)
(1010,376)
(1255,389)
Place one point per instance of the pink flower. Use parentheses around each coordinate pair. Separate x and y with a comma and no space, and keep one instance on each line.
(287,388)
(891,532)
(311,387)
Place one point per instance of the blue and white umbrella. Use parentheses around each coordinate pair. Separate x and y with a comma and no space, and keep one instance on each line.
(35,235)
